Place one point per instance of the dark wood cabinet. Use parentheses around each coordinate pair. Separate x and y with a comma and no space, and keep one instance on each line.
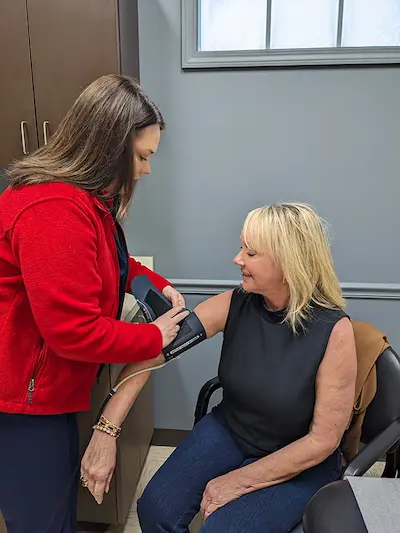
(17,116)
(50,50)
(72,43)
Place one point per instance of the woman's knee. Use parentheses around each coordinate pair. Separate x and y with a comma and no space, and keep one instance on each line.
(214,524)
(155,512)
(163,508)
(148,508)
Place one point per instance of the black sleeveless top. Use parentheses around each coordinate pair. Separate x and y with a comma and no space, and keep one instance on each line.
(268,373)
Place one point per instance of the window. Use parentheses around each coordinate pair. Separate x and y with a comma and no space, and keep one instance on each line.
(241,33)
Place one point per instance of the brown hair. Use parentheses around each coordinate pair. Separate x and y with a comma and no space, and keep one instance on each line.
(94,143)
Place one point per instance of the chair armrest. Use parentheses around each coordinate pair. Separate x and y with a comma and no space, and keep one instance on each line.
(203,399)
(333,508)
(374,450)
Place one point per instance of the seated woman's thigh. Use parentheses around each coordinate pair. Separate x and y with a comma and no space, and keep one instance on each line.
(174,494)
(275,509)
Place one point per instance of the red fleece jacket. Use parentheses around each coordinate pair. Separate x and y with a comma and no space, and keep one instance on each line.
(59,278)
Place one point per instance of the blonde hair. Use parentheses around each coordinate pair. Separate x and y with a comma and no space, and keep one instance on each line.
(295,237)
(93,144)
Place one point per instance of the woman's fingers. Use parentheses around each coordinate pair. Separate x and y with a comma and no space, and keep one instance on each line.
(97,483)
(107,489)
(180,316)
(174,296)
(98,492)
(91,485)
(98,465)
(167,324)
(84,474)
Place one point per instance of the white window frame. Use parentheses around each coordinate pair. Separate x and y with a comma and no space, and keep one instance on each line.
(192,58)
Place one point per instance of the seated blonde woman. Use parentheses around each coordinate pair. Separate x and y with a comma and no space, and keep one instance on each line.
(288,369)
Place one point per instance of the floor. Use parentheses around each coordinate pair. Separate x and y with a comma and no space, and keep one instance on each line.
(156,457)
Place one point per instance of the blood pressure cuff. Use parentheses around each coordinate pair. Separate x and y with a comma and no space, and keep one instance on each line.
(151,304)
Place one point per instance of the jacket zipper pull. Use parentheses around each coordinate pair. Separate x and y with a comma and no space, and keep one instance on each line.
(31,388)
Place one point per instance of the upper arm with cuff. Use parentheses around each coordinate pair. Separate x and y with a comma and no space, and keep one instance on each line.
(213,313)
(55,243)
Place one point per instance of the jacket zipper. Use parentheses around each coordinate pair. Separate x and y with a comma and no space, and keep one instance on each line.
(31,387)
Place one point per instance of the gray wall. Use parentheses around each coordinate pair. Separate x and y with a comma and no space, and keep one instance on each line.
(237,140)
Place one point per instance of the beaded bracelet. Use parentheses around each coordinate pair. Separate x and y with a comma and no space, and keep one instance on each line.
(107,427)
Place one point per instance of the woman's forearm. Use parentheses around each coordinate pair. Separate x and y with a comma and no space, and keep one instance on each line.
(118,407)
(284,464)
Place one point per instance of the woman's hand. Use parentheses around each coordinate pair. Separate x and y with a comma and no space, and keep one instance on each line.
(98,464)
(174,296)
(220,491)
(168,324)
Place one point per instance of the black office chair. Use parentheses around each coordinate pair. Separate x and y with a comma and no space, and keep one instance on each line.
(381,437)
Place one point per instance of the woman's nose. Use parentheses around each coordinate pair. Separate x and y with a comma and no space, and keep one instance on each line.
(238,259)
(146,168)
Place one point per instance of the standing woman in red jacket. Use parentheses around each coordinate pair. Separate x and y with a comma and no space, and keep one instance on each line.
(64,270)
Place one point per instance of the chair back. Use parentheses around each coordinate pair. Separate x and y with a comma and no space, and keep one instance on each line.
(385,407)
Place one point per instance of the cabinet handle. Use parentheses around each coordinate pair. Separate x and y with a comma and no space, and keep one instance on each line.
(23,138)
(45,132)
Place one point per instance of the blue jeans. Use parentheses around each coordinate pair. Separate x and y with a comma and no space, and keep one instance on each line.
(173,496)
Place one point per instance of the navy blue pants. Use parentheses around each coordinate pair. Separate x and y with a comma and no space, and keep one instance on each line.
(173,496)
(39,471)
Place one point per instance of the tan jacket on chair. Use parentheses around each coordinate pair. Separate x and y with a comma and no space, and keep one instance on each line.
(2,525)
(370,343)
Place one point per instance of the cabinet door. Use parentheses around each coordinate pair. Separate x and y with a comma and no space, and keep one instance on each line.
(17,116)
(73,42)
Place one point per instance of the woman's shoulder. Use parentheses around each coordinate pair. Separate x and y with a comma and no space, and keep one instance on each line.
(239,305)
(240,297)
(54,190)
(326,315)
(239,294)
(14,201)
